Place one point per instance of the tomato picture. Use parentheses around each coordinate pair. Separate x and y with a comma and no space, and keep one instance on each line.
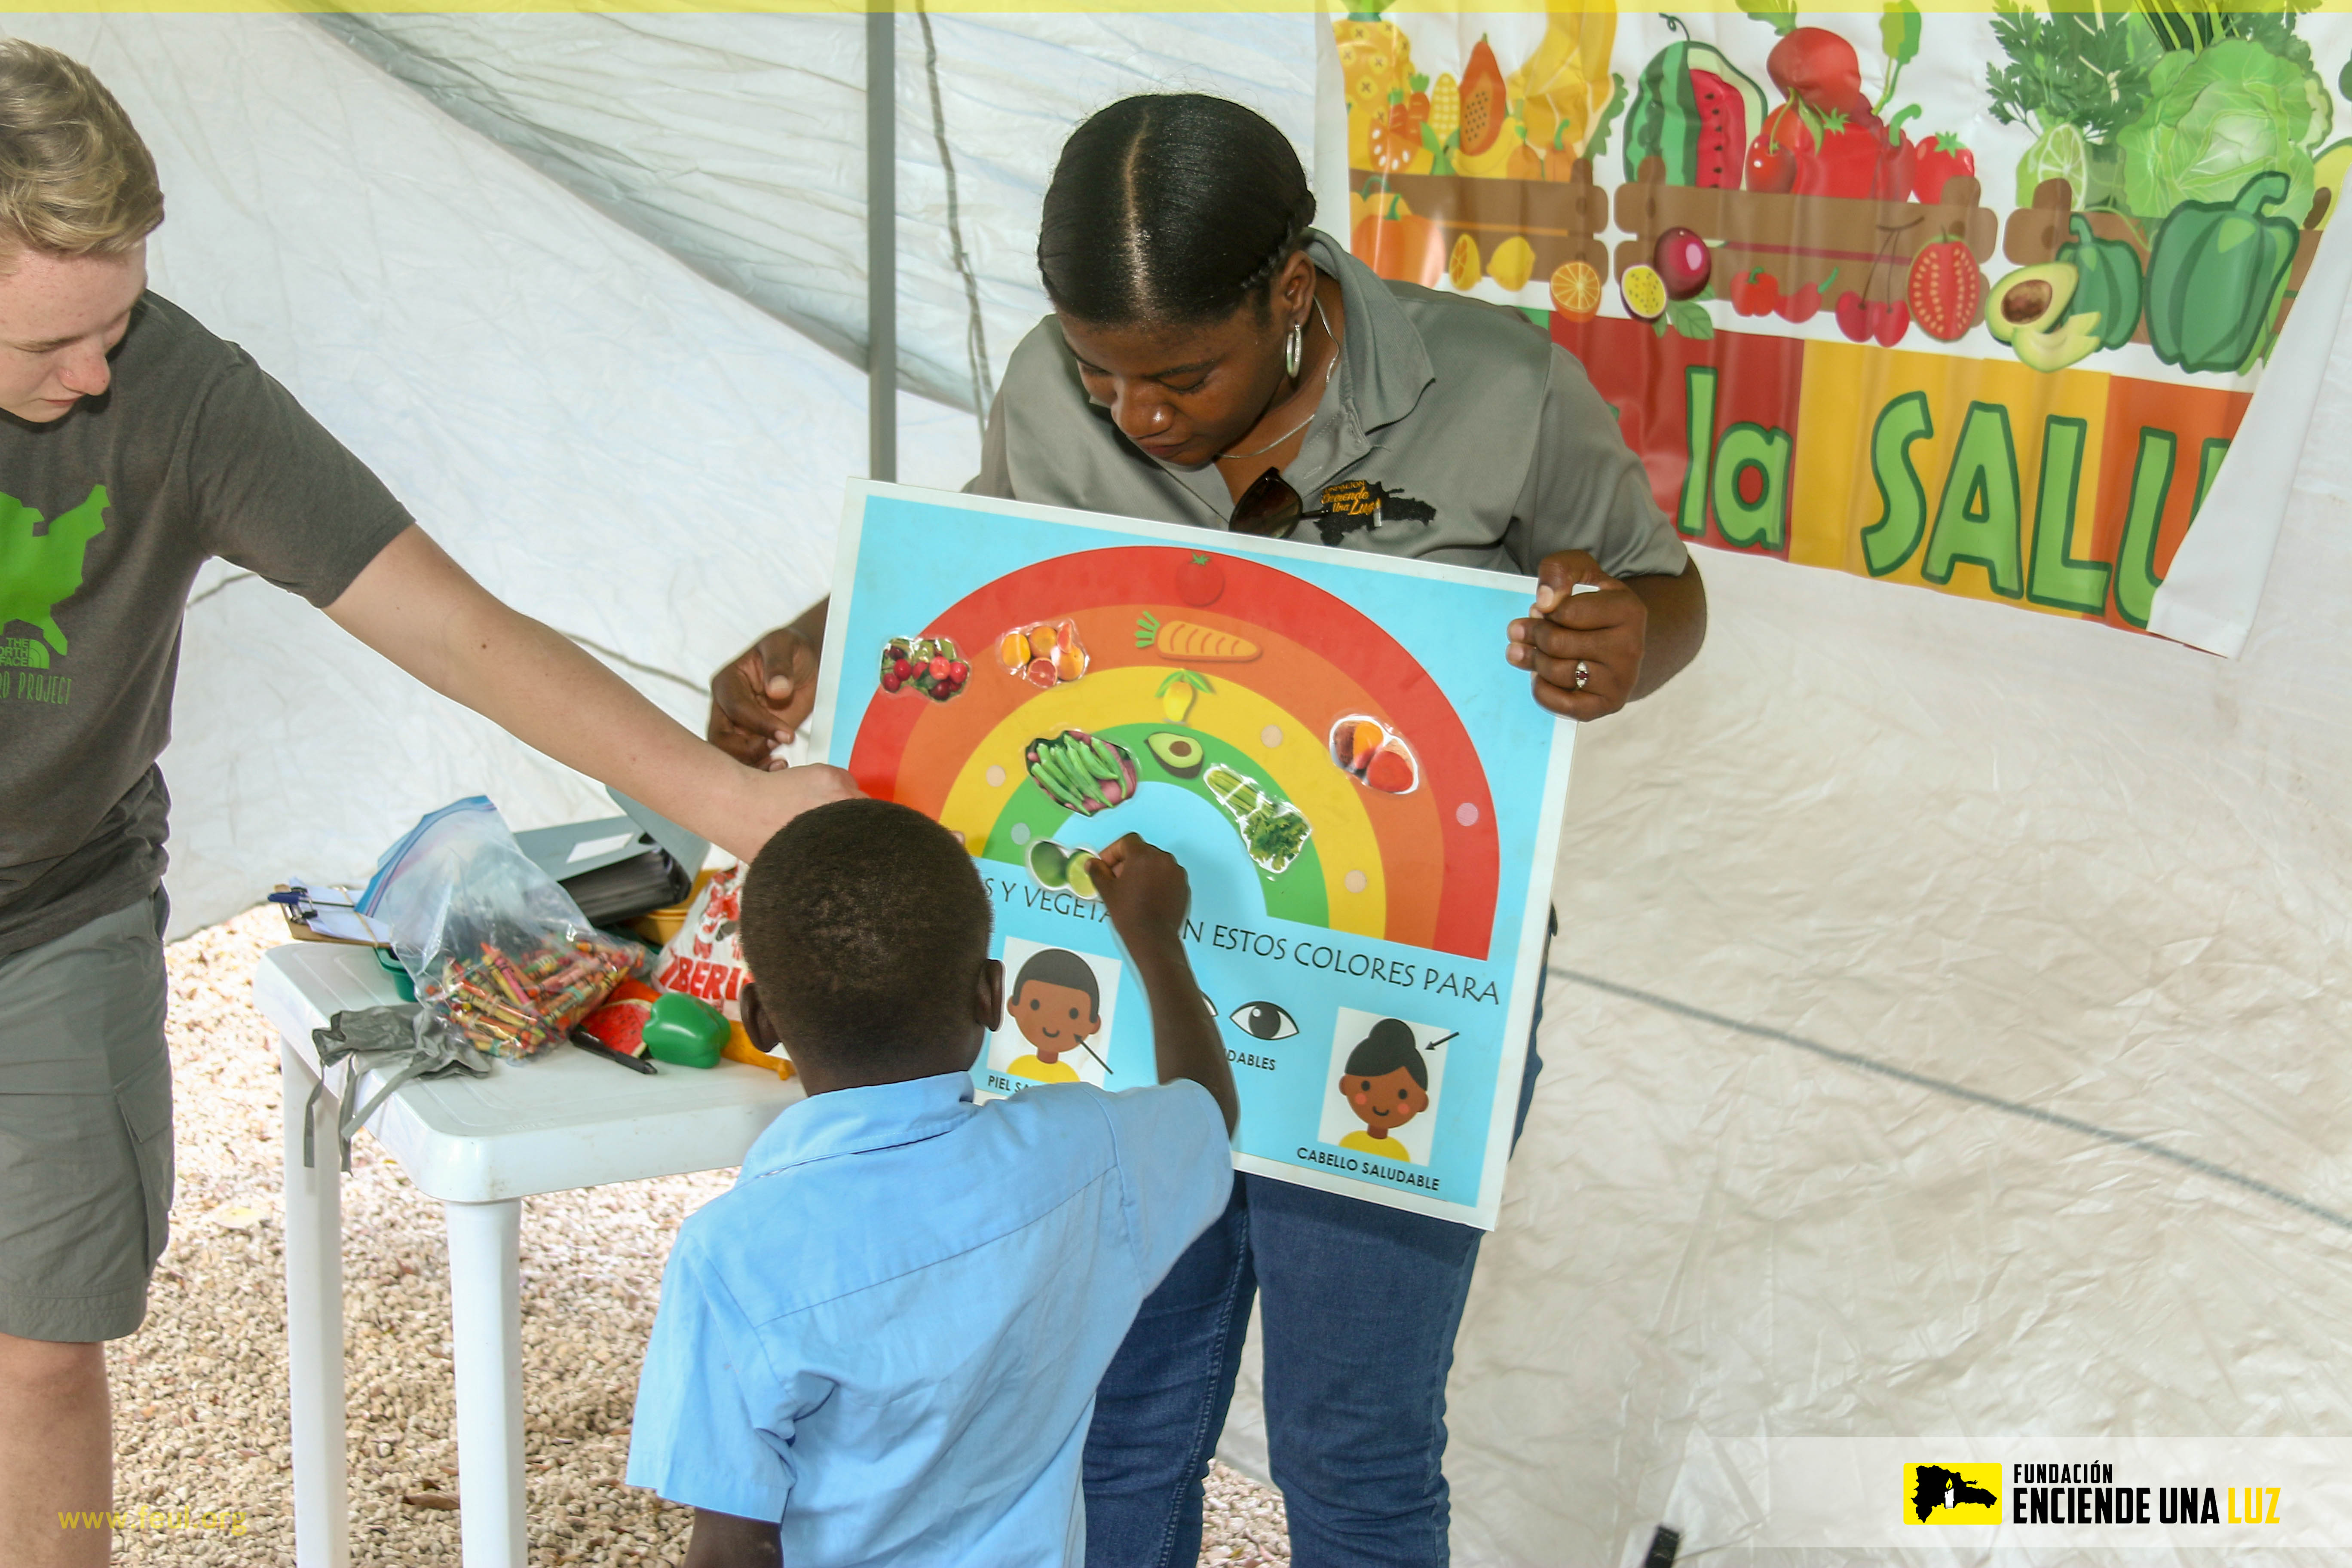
(1940,160)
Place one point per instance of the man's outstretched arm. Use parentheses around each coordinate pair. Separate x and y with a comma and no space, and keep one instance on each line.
(420,610)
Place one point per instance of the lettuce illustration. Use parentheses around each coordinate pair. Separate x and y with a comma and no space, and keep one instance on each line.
(2215,118)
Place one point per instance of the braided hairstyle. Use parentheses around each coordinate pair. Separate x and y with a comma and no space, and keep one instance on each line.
(1171,209)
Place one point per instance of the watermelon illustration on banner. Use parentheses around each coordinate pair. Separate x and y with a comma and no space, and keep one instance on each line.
(1366,802)
(1975,302)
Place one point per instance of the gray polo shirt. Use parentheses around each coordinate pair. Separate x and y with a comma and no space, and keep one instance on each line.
(1456,430)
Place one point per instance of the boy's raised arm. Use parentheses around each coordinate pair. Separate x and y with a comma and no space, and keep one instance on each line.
(1147,894)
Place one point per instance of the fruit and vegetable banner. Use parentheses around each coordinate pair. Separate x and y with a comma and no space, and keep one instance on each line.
(1972,301)
(1366,799)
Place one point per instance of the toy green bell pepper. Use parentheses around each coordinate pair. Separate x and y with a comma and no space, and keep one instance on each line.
(2215,275)
(684,1030)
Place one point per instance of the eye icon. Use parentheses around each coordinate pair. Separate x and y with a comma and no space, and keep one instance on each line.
(1265,1021)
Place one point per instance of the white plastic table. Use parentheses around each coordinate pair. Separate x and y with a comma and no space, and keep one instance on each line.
(481,1146)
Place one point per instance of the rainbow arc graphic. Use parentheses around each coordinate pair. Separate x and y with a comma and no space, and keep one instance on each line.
(1421,868)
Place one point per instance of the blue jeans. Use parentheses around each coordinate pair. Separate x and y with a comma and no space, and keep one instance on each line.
(1360,1303)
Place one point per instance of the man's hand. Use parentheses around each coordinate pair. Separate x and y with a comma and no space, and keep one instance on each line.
(776,796)
(419,609)
(760,699)
(1606,631)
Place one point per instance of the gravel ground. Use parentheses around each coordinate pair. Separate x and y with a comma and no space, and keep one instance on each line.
(199,1393)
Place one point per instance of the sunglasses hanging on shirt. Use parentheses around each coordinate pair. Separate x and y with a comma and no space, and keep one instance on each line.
(1269,508)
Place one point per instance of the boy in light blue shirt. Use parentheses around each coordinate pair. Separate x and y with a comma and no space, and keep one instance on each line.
(882,1345)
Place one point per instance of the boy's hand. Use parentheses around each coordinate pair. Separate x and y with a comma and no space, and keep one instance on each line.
(1144,891)
(1147,894)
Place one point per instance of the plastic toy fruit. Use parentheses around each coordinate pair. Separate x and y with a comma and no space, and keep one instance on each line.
(1463,271)
(1576,290)
(1684,263)
(1643,292)
(1082,873)
(684,1030)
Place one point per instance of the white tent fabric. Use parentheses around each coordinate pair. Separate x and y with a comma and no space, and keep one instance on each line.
(738,142)
(1935,1044)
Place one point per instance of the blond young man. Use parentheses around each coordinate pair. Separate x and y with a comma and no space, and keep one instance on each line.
(134,444)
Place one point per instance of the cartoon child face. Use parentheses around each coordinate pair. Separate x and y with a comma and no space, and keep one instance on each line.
(1385,1103)
(1054,1019)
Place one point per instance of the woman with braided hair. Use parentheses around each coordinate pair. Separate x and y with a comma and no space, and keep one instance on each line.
(1214,359)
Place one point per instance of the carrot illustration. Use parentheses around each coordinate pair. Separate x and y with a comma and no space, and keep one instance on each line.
(1187,641)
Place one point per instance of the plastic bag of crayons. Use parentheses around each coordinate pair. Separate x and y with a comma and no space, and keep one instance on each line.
(494,945)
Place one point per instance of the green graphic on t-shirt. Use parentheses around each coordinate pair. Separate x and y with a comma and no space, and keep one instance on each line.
(40,572)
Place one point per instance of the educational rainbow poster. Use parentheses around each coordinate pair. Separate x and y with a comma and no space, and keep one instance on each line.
(1366,797)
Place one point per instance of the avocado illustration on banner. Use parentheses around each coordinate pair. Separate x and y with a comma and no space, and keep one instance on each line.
(40,572)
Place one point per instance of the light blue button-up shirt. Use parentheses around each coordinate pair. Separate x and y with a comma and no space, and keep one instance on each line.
(888,1335)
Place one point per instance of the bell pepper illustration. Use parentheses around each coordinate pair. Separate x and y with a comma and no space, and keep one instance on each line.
(2215,274)
(2108,281)
(39,573)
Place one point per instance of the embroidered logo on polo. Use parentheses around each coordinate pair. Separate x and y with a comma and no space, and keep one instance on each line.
(1352,506)
(38,572)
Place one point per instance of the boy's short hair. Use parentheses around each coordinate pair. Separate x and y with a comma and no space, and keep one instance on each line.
(75,178)
(1059,966)
(865,926)
(1389,1045)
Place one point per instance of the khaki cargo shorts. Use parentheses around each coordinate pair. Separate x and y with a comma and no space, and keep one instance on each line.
(85,1128)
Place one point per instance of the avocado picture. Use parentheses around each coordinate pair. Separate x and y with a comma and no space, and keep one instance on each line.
(2031,299)
(2069,344)
(1181,754)
(1049,864)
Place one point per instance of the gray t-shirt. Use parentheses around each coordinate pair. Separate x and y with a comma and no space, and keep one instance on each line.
(1480,442)
(105,515)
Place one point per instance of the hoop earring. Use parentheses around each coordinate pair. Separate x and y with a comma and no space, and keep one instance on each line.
(1294,349)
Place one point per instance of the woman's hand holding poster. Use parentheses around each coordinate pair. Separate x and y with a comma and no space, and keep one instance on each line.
(1363,791)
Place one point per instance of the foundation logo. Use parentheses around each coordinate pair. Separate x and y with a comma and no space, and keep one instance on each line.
(1951,1494)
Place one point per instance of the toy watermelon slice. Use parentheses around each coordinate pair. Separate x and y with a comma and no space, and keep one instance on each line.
(620,1023)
